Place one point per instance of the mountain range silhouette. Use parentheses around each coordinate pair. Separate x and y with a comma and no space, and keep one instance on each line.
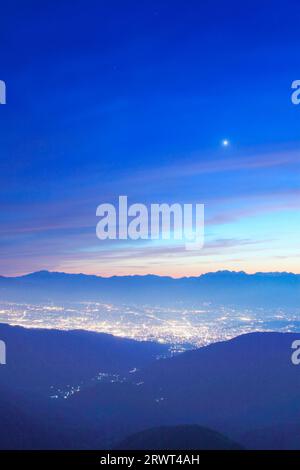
(223,287)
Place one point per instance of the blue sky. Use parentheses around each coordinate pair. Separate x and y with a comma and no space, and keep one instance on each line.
(135,97)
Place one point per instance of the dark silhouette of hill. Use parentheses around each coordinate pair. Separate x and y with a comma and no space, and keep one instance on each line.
(246,389)
(191,437)
(24,424)
(39,358)
(39,362)
(233,387)
(224,287)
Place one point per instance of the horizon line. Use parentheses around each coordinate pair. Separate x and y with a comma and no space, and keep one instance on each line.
(151,274)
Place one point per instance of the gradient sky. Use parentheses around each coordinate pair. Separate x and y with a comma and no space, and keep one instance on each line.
(134,97)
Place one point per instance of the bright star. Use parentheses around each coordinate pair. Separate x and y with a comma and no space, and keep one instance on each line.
(225,143)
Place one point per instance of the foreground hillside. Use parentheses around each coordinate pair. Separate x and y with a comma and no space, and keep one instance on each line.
(178,438)
(247,389)
(243,388)
(38,359)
